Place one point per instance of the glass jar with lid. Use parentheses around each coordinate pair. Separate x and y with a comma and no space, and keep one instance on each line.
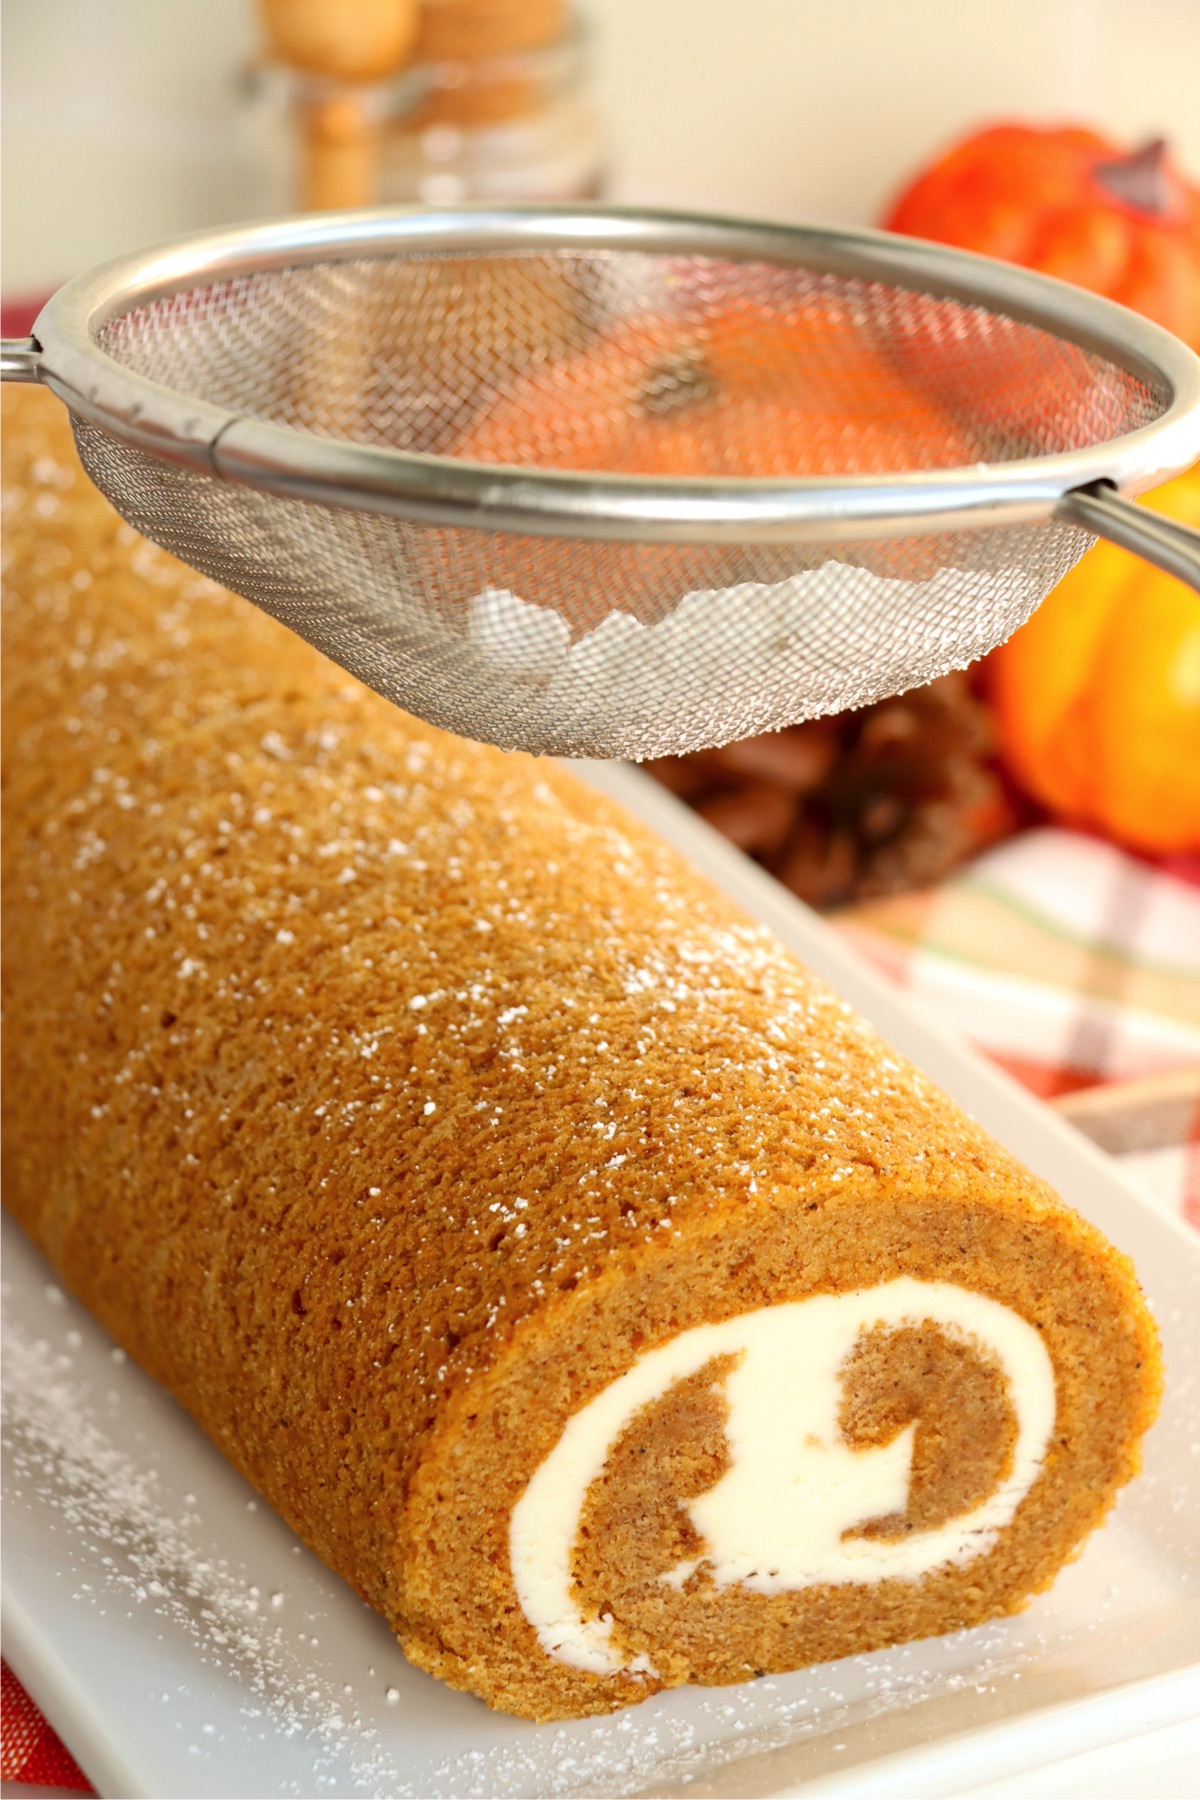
(494,104)
(515,123)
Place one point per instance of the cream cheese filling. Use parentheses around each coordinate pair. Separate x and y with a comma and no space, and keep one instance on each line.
(777,1518)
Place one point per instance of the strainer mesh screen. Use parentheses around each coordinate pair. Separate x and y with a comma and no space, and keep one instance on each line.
(627,363)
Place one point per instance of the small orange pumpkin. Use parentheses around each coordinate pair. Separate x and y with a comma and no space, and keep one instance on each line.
(1073,204)
(743,391)
(740,390)
(1097,698)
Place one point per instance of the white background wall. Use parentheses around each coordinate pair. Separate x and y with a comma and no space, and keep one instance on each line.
(121,121)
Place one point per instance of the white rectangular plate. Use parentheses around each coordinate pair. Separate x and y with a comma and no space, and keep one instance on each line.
(186,1644)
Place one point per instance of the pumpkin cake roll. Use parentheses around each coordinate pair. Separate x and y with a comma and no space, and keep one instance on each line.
(579,1277)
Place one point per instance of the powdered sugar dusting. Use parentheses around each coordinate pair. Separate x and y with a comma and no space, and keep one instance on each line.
(133,1548)
(757,654)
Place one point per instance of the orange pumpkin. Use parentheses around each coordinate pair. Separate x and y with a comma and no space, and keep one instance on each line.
(1097,698)
(1073,204)
(739,390)
(742,391)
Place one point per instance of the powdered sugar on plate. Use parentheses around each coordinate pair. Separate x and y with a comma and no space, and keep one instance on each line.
(145,1557)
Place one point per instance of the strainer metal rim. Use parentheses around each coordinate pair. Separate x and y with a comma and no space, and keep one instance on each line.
(444,491)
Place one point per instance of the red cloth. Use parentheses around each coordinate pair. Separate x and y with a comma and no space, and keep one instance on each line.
(29,1750)
(18,313)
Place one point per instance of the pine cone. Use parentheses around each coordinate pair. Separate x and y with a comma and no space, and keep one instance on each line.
(887,798)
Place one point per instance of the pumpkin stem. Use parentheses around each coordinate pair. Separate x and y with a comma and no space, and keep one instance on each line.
(1142,180)
(675,384)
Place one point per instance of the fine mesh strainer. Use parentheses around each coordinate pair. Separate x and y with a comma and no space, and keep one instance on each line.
(611,483)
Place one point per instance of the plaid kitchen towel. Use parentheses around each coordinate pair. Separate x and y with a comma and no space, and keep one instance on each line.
(30,1753)
(1077,968)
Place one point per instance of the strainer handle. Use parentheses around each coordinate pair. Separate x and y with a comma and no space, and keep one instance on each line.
(1170,546)
(20,359)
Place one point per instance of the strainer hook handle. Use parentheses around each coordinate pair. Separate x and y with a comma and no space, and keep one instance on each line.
(1169,545)
(20,359)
